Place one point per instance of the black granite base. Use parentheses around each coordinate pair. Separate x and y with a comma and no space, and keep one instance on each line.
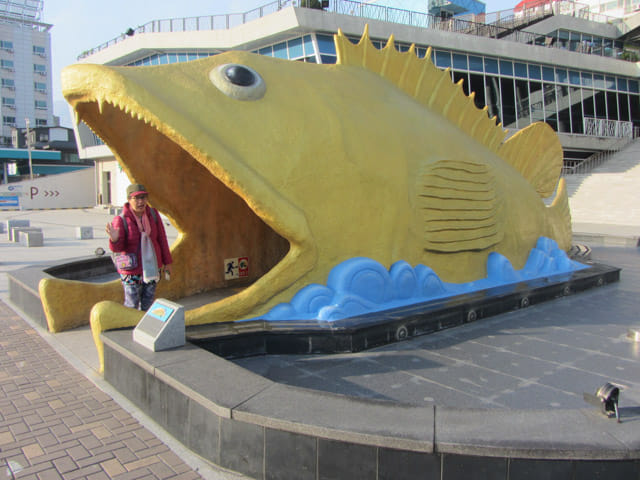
(260,337)
(265,430)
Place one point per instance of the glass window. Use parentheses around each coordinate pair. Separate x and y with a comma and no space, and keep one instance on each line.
(476,84)
(182,57)
(8,82)
(173,58)
(295,48)
(39,68)
(8,101)
(421,52)
(506,67)
(534,72)
(597,46)
(550,112)
(492,92)
(622,84)
(633,86)
(634,107)
(610,83)
(41,122)
(607,49)
(491,65)
(41,104)
(577,125)
(574,77)
(460,61)
(475,63)
(520,69)
(598,81)
(564,105)
(563,39)
(561,75)
(163,59)
(38,50)
(280,50)
(508,103)
(574,41)
(443,59)
(327,59)
(587,103)
(535,102)
(601,104)
(6,45)
(623,107)
(587,79)
(308,45)
(268,51)
(192,56)
(326,45)
(9,120)
(547,74)
(612,105)
(40,86)
(522,103)
(457,76)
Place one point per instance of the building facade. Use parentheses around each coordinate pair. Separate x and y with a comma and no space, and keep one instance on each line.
(25,67)
(571,71)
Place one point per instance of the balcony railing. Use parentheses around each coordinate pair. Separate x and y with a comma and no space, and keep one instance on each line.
(503,24)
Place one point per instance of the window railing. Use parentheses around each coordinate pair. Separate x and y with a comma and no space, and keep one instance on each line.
(503,24)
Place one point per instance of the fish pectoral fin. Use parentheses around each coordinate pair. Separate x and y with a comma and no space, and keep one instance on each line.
(536,153)
(459,206)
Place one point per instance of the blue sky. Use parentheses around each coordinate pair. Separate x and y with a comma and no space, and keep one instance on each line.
(80,25)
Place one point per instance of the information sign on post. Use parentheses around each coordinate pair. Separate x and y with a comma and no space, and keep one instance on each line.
(162,327)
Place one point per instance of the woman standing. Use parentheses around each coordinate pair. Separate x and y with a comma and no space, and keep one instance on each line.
(138,236)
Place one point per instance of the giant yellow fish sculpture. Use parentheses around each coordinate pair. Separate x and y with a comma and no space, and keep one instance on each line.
(301,166)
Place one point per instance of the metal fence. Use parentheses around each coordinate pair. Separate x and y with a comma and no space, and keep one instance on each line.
(501,24)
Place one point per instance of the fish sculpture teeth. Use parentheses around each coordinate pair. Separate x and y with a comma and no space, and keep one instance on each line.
(299,167)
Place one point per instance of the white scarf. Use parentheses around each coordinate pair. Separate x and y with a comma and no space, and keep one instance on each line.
(147,252)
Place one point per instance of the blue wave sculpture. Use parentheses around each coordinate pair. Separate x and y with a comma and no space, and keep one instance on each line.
(361,285)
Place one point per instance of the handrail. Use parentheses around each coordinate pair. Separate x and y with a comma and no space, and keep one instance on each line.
(599,158)
(495,25)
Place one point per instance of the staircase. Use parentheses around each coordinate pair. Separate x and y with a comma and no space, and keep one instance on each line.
(608,196)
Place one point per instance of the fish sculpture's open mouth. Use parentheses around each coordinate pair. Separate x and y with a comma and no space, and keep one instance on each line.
(221,208)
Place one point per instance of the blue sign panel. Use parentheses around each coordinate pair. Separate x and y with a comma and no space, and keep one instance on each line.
(9,201)
(160,312)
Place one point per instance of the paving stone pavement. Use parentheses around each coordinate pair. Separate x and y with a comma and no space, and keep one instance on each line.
(56,424)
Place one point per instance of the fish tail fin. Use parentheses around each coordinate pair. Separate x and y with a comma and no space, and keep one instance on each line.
(560,217)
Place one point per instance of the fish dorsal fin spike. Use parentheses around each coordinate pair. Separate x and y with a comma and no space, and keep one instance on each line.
(365,35)
(391,43)
(420,79)
(536,153)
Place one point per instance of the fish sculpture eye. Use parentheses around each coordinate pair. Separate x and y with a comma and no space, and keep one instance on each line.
(240,75)
(239,82)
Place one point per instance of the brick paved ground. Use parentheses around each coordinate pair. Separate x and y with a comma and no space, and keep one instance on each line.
(56,424)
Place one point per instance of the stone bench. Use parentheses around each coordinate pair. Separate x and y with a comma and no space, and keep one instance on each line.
(10,224)
(84,233)
(31,237)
